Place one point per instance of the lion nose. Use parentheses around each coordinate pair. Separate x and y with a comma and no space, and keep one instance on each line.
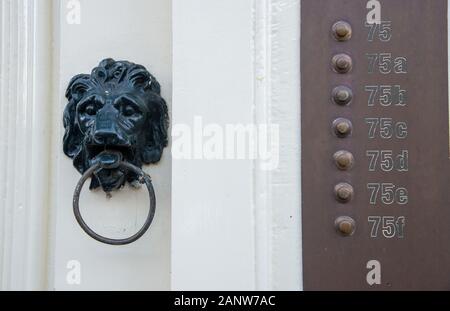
(106,137)
(105,131)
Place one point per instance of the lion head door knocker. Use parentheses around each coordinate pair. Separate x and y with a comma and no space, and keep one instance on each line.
(115,121)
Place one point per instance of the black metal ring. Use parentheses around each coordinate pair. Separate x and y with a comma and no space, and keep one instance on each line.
(143,178)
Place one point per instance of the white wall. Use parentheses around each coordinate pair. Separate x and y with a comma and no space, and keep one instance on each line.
(234,226)
(213,229)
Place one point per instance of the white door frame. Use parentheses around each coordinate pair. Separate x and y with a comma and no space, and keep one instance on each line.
(25,105)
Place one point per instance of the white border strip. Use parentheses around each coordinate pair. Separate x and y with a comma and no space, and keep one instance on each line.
(283,200)
(25,140)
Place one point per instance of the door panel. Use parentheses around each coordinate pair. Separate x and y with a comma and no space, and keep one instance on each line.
(140,32)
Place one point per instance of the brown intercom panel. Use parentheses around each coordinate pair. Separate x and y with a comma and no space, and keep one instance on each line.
(375,145)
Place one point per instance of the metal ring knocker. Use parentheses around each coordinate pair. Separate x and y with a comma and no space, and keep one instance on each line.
(143,178)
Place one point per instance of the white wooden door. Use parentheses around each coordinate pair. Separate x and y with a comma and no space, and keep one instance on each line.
(83,33)
(138,31)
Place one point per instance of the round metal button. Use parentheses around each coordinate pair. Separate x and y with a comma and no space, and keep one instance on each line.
(342,127)
(344,192)
(345,225)
(342,31)
(344,160)
(342,63)
(342,95)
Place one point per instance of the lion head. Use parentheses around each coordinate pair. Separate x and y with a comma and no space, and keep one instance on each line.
(118,107)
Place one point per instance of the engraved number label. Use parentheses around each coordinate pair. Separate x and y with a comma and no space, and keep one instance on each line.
(385,95)
(381,31)
(385,63)
(387,193)
(387,226)
(386,128)
(387,161)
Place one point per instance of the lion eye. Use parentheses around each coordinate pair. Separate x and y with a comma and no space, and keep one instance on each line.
(90,110)
(128,111)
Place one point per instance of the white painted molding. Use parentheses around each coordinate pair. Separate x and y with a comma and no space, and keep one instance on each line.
(25,64)
(277,194)
(262,115)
